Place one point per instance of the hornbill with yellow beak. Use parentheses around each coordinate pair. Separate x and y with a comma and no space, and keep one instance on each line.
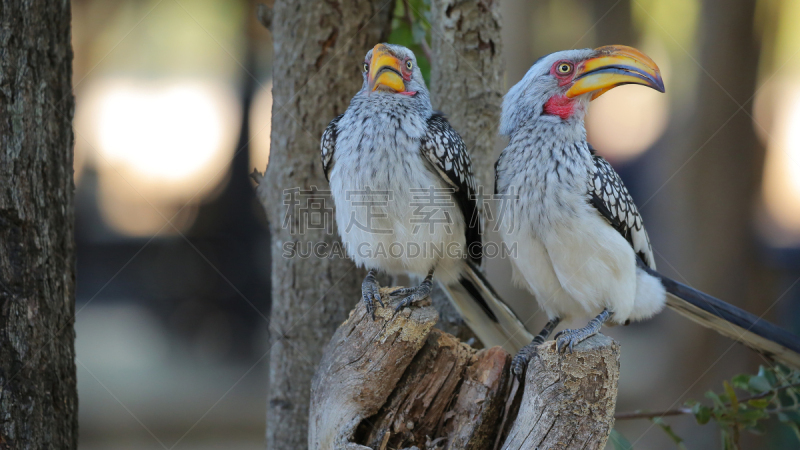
(582,246)
(405,196)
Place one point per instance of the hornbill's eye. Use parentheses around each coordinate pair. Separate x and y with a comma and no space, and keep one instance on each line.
(365,67)
(564,68)
(409,65)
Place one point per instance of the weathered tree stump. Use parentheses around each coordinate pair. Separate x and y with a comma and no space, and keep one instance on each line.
(569,399)
(398,383)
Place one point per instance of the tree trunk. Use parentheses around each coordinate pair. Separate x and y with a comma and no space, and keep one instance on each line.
(38,398)
(319,45)
(467,75)
(613,22)
(397,383)
(724,175)
(467,85)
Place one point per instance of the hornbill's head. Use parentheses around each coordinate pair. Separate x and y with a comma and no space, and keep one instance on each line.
(391,70)
(558,87)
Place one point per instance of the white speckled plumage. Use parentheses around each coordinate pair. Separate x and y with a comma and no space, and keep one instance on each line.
(393,142)
(576,259)
(582,246)
(377,146)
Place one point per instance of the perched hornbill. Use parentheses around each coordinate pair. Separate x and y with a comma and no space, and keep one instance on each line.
(387,152)
(582,247)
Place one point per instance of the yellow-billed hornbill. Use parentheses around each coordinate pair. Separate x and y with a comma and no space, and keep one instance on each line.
(582,246)
(386,158)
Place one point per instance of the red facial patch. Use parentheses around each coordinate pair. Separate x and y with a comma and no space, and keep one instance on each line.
(406,73)
(559,105)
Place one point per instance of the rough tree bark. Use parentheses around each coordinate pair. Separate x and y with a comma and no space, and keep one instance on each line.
(397,383)
(467,85)
(38,397)
(467,75)
(318,47)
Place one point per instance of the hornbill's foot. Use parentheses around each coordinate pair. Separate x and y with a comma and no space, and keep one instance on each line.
(370,292)
(415,294)
(526,354)
(568,338)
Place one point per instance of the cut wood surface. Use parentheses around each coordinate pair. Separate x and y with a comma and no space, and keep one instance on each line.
(398,383)
(360,368)
(569,399)
(421,397)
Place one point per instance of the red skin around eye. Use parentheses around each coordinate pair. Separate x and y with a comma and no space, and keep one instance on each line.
(407,76)
(563,80)
(406,73)
(561,106)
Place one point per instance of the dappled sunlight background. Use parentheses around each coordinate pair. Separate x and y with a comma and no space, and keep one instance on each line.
(155,145)
(173,261)
(173,111)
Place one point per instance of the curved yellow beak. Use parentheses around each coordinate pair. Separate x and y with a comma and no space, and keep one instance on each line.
(384,71)
(614,66)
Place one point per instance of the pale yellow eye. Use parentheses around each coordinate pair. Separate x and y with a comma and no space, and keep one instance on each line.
(365,67)
(564,68)
(409,65)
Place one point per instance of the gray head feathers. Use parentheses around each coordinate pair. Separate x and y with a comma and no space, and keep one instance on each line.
(525,101)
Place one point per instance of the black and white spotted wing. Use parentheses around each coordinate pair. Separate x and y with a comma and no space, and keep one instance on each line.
(444,149)
(612,200)
(328,144)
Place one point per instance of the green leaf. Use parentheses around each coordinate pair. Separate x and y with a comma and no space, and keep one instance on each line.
(794,416)
(752,415)
(701,413)
(758,403)
(668,429)
(619,441)
(758,428)
(731,395)
(769,375)
(760,383)
(796,430)
(718,403)
(741,381)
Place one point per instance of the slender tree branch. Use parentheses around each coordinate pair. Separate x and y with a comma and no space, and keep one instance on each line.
(424,43)
(770,392)
(651,415)
(681,411)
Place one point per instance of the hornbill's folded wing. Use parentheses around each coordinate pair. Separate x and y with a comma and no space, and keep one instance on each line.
(612,200)
(445,150)
(328,145)
(608,194)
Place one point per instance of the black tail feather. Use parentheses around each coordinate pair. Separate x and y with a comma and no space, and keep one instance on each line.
(492,321)
(735,323)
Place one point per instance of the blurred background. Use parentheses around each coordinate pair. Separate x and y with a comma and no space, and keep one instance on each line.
(173,112)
